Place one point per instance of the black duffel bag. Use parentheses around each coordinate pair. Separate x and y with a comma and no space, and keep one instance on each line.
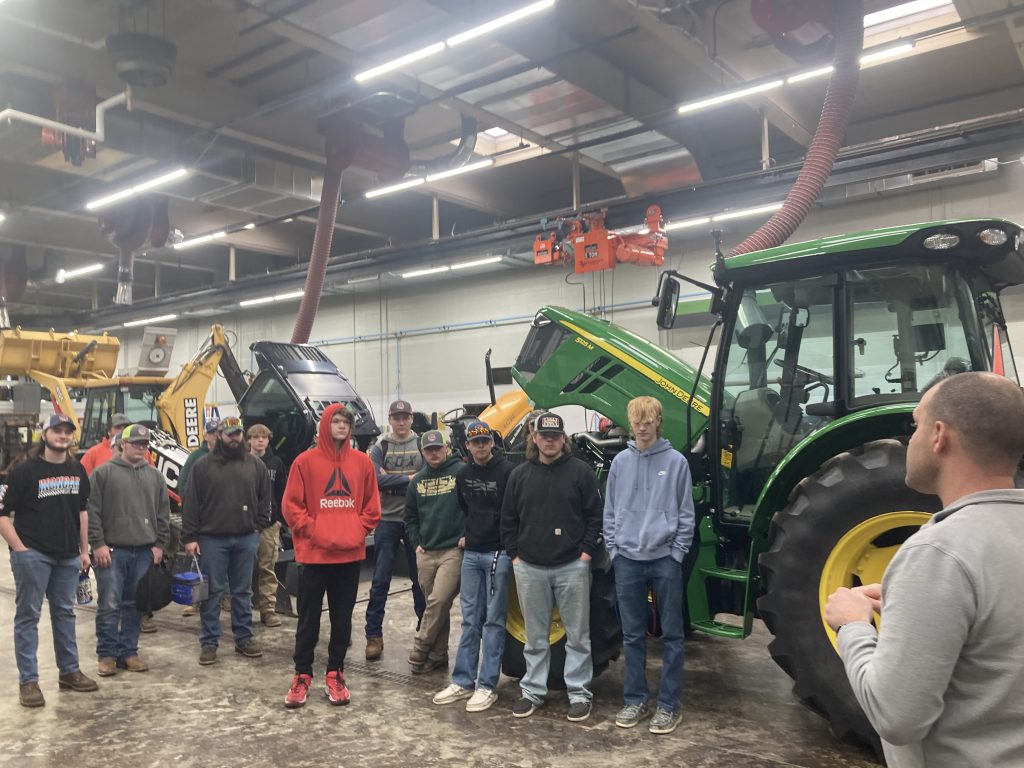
(154,589)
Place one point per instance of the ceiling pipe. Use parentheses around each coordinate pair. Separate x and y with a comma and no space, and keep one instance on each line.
(98,135)
(463,152)
(848,27)
(346,144)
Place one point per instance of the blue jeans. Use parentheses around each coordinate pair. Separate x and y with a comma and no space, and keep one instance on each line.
(37,575)
(117,620)
(227,562)
(541,588)
(665,576)
(484,603)
(386,538)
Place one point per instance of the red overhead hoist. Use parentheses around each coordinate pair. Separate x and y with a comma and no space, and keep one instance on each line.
(592,248)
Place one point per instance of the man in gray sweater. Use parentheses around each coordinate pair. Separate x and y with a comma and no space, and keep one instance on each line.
(129,527)
(396,458)
(942,681)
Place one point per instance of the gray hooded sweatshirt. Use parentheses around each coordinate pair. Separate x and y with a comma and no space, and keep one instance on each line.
(401,460)
(648,508)
(942,681)
(128,506)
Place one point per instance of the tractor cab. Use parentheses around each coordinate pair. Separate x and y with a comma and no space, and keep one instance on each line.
(135,398)
(830,334)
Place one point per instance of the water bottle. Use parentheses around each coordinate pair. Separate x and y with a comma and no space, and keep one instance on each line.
(84,588)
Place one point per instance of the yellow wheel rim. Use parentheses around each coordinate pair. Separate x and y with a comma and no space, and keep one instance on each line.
(516,625)
(863,553)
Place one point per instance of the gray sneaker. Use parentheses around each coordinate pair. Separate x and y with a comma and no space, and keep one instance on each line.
(578,711)
(664,721)
(631,715)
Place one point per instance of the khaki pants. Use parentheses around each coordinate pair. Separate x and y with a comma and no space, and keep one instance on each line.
(439,575)
(266,559)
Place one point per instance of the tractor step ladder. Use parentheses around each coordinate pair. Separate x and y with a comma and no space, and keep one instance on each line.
(711,626)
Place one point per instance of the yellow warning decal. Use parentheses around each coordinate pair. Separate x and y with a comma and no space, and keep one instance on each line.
(649,373)
(726,459)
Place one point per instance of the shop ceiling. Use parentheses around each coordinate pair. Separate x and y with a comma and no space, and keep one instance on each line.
(574,104)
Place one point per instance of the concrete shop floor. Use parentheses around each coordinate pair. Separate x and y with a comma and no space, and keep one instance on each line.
(738,710)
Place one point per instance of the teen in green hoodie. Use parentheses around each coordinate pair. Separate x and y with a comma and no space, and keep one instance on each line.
(435,526)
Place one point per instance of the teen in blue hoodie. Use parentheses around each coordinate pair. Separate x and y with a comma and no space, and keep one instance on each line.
(648,526)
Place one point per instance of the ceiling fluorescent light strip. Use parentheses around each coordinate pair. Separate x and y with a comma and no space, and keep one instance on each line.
(407,184)
(363,279)
(270,299)
(744,212)
(501,21)
(886,53)
(742,93)
(400,62)
(158,319)
(158,181)
(462,37)
(423,272)
(477,263)
(810,75)
(469,168)
(696,222)
(199,240)
(72,273)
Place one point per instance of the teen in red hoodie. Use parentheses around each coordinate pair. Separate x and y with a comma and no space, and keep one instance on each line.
(330,503)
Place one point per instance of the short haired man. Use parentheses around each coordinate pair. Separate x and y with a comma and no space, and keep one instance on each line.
(485,573)
(551,528)
(47,494)
(942,680)
(129,527)
(332,505)
(259,436)
(396,458)
(436,526)
(648,527)
(103,451)
(227,504)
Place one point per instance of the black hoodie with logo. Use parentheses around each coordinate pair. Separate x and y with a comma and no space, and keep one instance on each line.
(481,490)
(551,513)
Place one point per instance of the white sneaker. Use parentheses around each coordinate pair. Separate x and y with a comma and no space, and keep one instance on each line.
(481,699)
(451,694)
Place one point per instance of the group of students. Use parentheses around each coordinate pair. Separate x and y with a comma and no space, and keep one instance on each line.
(469,526)
(472,527)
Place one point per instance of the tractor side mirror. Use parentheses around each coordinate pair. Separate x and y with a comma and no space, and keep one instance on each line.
(667,301)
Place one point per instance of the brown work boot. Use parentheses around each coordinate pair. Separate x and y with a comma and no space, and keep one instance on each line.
(77,681)
(249,648)
(107,667)
(147,626)
(29,695)
(133,664)
(374,648)
(189,611)
(429,666)
(208,655)
(269,619)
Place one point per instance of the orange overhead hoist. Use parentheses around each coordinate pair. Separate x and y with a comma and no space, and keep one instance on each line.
(592,248)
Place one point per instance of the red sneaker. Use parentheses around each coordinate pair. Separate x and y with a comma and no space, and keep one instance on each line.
(337,691)
(297,693)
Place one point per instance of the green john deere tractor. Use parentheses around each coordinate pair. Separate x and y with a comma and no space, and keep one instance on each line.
(798,441)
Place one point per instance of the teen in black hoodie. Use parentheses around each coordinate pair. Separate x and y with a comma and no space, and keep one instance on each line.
(485,573)
(550,526)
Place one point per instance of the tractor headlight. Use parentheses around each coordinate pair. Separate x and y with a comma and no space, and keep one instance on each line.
(993,236)
(941,241)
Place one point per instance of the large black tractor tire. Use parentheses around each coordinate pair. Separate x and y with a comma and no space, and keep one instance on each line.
(848,517)
(605,633)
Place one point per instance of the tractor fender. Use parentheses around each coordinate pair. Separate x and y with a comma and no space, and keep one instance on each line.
(809,454)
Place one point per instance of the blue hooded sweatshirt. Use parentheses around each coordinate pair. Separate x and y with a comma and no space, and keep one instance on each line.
(648,510)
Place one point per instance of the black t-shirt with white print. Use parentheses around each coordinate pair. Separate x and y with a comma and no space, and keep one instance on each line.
(46,500)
